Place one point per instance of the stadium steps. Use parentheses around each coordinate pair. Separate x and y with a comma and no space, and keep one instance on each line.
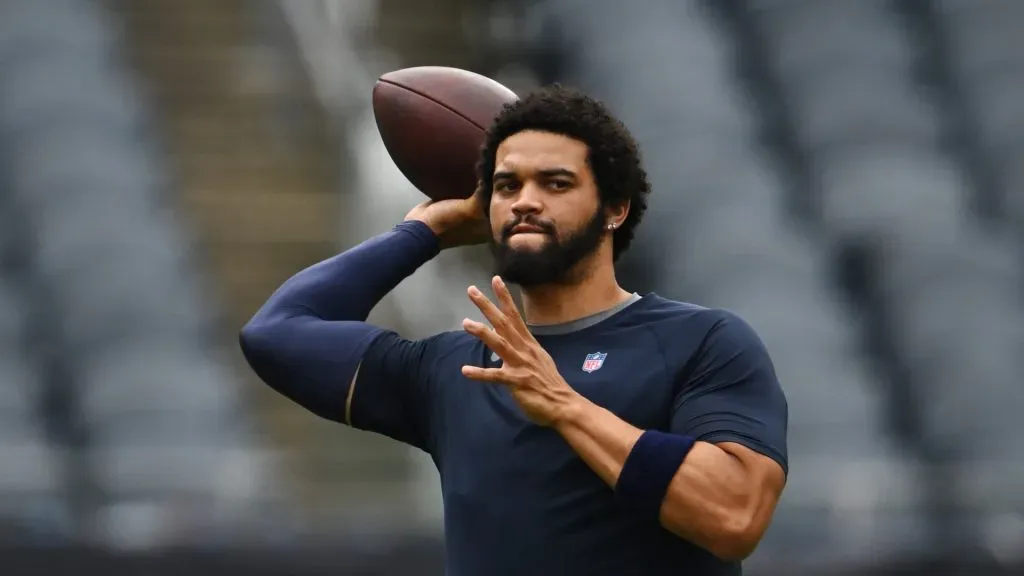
(428,33)
(259,187)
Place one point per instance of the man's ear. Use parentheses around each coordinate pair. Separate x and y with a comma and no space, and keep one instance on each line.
(616,214)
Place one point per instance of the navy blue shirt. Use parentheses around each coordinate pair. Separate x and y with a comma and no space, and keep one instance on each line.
(517,498)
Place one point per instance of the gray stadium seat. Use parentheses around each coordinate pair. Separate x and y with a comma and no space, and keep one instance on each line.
(32,496)
(879,189)
(168,438)
(949,289)
(987,58)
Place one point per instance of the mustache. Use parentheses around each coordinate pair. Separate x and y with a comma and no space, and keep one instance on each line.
(547,227)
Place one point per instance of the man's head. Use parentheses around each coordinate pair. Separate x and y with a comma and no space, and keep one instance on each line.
(562,184)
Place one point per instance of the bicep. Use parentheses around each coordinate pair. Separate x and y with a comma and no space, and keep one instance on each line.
(733,395)
(392,391)
(308,360)
(764,472)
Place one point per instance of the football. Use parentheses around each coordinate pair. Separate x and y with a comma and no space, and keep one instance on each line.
(433,121)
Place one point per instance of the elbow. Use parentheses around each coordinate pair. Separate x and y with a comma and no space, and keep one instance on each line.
(261,335)
(737,537)
(251,338)
(266,351)
(734,548)
(730,534)
(258,342)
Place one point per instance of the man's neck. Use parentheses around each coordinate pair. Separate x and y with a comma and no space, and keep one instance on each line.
(561,303)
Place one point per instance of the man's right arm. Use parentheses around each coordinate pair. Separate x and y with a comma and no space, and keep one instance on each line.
(308,341)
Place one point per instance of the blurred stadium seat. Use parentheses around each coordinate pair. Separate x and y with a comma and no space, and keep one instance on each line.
(872,136)
(986,57)
(33,501)
(164,423)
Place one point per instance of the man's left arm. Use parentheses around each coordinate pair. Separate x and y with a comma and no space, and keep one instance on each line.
(716,477)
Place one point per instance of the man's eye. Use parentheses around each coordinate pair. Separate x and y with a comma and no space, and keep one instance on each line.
(559,184)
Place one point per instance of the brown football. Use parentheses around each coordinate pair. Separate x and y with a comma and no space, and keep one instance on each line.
(433,121)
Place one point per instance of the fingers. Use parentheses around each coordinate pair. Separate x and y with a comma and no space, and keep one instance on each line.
(493,314)
(489,337)
(490,375)
(504,318)
(507,305)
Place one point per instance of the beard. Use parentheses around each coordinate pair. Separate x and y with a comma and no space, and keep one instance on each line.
(554,261)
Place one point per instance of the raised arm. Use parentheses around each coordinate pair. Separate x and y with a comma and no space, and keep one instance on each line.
(311,342)
(307,341)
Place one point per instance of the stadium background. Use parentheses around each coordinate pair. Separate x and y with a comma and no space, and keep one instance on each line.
(846,174)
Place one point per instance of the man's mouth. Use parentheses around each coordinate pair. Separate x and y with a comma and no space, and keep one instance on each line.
(526,229)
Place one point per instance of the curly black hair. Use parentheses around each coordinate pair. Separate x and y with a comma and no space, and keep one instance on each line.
(614,156)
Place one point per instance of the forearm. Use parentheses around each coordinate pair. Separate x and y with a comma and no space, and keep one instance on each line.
(600,438)
(307,341)
(349,285)
(709,502)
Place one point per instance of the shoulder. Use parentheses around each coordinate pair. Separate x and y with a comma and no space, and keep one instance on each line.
(673,320)
(689,334)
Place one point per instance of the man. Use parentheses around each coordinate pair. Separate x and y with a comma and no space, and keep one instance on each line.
(602,432)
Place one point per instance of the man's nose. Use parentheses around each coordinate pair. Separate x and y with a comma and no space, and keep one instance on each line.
(529,200)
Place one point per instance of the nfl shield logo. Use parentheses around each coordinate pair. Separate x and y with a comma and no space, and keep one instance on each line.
(593,362)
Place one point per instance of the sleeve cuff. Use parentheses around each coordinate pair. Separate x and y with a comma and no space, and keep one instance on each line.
(426,238)
(748,442)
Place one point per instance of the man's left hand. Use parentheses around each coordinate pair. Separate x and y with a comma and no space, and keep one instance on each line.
(527,369)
